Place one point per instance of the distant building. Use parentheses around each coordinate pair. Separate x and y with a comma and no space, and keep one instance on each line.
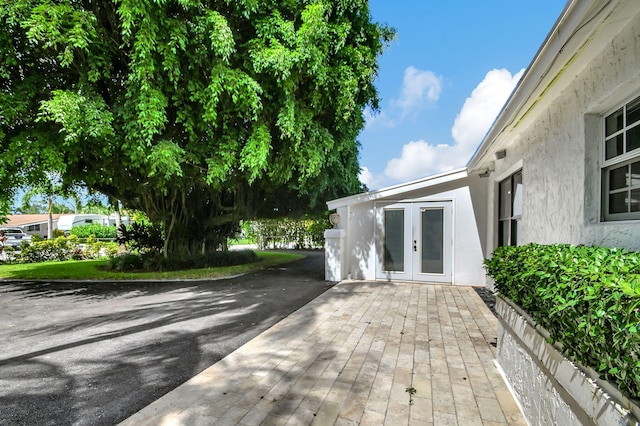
(38,224)
(33,224)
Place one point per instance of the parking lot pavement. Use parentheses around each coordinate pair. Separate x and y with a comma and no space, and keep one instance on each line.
(95,353)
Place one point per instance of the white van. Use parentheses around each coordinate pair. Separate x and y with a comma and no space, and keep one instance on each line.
(66,222)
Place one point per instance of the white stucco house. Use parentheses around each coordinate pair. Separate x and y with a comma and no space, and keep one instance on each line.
(561,164)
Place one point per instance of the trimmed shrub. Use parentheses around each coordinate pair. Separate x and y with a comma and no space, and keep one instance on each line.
(60,248)
(156,262)
(97,230)
(126,262)
(285,232)
(587,298)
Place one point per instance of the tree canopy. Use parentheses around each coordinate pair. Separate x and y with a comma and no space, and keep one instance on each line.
(196,112)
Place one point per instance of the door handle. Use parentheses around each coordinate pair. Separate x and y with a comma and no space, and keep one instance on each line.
(415,245)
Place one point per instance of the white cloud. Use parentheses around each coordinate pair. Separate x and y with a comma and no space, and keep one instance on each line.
(420,158)
(482,107)
(418,89)
(366,177)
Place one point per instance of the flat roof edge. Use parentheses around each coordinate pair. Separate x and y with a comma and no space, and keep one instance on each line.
(414,185)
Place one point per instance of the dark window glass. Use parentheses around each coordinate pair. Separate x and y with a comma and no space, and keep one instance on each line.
(635,174)
(635,200)
(615,146)
(618,178)
(614,122)
(505,199)
(633,138)
(514,232)
(633,112)
(510,209)
(618,202)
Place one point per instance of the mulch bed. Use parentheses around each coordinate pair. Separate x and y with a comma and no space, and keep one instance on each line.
(488,297)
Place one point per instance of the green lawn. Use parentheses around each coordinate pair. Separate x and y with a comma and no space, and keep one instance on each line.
(89,270)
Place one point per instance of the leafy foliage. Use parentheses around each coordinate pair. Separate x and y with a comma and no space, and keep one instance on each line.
(587,298)
(141,237)
(61,248)
(155,262)
(197,113)
(126,262)
(284,232)
(95,229)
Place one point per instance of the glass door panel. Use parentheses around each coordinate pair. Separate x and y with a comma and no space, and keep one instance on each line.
(432,247)
(393,240)
(414,241)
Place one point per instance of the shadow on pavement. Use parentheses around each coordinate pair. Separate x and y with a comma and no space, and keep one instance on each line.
(97,353)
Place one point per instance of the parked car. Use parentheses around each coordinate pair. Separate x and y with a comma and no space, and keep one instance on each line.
(13,237)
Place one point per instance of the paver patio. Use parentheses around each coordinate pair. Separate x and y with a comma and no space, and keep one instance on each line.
(367,353)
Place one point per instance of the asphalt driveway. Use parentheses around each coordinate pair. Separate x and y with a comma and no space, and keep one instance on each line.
(95,353)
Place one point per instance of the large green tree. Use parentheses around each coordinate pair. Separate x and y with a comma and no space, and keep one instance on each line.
(196,112)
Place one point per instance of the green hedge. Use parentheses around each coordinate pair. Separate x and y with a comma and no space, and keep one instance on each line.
(285,232)
(157,262)
(587,298)
(97,230)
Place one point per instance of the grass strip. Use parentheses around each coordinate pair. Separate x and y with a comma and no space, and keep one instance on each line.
(90,270)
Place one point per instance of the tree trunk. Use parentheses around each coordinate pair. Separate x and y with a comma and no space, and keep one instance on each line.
(50,219)
(116,207)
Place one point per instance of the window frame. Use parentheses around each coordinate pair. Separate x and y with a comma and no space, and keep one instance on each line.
(626,158)
(514,219)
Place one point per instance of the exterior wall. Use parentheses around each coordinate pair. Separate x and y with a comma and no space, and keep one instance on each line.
(334,248)
(44,228)
(361,254)
(469,210)
(559,151)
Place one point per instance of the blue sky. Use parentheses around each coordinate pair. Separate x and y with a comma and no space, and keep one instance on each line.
(444,79)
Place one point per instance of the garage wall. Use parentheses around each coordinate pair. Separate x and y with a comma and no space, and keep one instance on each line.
(469,228)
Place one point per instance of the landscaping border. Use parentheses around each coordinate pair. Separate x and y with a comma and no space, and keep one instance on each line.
(550,388)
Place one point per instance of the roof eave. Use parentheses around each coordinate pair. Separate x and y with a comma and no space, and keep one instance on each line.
(401,188)
(570,19)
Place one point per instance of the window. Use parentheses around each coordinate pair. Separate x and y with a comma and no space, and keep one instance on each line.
(510,209)
(621,163)
(33,228)
(394,240)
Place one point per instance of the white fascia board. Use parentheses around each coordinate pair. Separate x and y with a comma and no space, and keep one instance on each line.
(403,188)
(542,66)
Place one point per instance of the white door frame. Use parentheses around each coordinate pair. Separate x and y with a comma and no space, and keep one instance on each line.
(411,242)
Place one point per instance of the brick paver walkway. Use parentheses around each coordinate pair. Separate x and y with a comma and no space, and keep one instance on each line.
(367,353)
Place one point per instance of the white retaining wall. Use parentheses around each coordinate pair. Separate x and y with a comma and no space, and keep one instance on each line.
(549,388)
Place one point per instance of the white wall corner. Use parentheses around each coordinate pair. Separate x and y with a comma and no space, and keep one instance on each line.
(334,254)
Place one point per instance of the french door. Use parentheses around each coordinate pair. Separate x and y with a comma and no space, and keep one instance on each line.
(414,241)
